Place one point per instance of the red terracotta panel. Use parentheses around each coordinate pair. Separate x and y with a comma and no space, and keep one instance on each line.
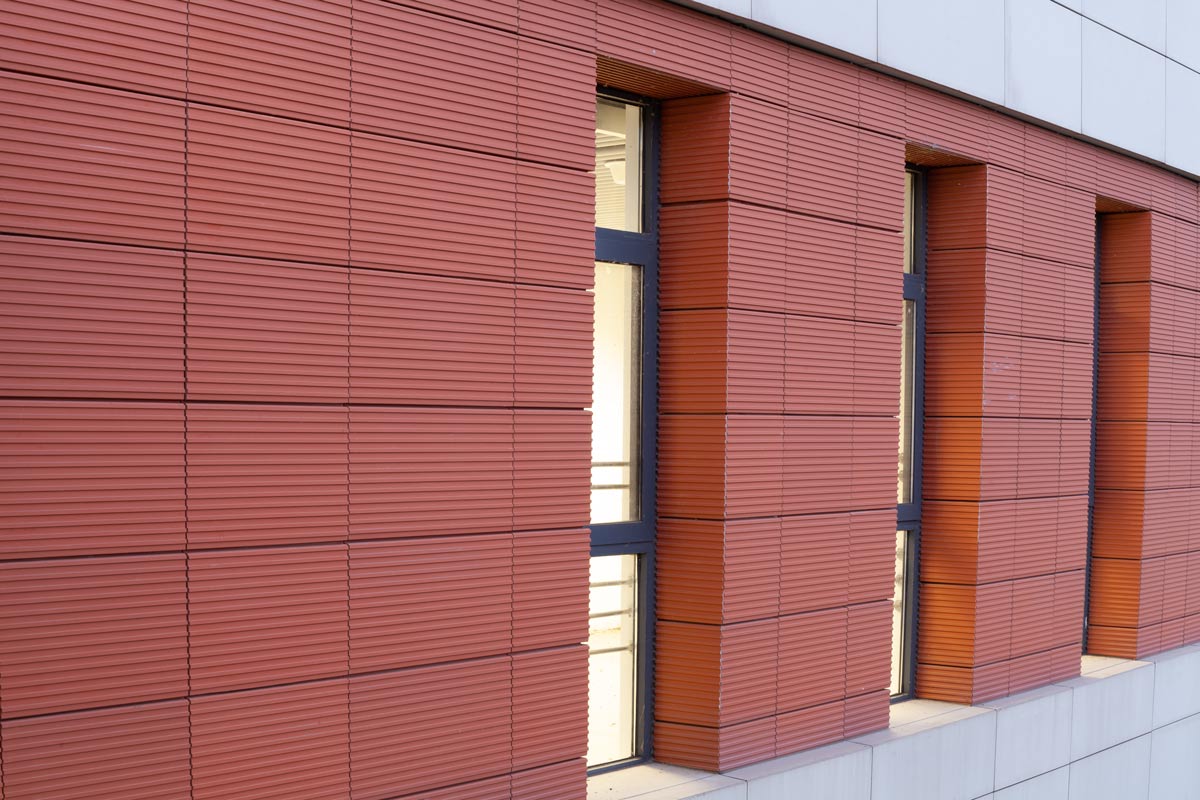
(267,330)
(877,280)
(1123,178)
(272,743)
(876,369)
(81,633)
(486,789)
(956,371)
(814,562)
(628,77)
(1006,143)
(267,187)
(822,169)
(550,588)
(555,226)
(822,261)
(410,474)
(132,753)
(90,320)
(137,45)
(694,361)
(880,181)
(759,65)
(421,601)
(86,478)
(872,555)
(717,572)
(957,198)
(817,471)
(434,79)
(499,14)
(758,146)
(549,723)
(266,475)
(431,341)
(1059,223)
(873,461)
(421,208)
(552,464)
(866,713)
(970,543)
(1120,593)
(696,159)
(279,57)
(809,727)
(945,123)
(408,733)
(711,467)
(868,647)
(563,781)
(965,626)
(953,460)
(1124,387)
(1033,615)
(823,86)
(715,674)
(1122,455)
(715,749)
(92,163)
(976,290)
(667,38)
(812,659)
(882,103)
(821,366)
(556,94)
(553,347)
(264,617)
(1038,528)
(569,22)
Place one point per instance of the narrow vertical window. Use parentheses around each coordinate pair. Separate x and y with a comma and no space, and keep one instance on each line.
(624,385)
(911,413)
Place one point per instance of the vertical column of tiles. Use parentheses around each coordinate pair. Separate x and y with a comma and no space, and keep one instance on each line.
(1003,407)
(1144,449)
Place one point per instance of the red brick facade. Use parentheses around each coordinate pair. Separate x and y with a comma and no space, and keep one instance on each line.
(297,347)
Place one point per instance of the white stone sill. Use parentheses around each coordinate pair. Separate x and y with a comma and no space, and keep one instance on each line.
(846,767)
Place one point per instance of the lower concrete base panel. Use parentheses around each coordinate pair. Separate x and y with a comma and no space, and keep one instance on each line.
(1123,730)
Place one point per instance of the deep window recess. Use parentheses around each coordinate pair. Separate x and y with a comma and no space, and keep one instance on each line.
(911,415)
(624,388)
(1091,520)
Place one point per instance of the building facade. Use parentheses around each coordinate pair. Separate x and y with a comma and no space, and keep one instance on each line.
(437,400)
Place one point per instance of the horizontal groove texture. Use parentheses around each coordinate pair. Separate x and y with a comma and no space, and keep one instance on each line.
(296,354)
(84,633)
(90,320)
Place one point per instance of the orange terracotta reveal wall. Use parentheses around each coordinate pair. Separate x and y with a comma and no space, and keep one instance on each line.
(1008,400)
(298,353)
(1146,554)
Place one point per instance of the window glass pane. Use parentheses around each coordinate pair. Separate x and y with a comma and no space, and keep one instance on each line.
(899,612)
(618,166)
(909,218)
(616,391)
(612,658)
(907,376)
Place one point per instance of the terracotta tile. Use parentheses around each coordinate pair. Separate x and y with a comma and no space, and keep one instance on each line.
(69,454)
(667,38)
(717,572)
(422,601)
(83,633)
(715,675)
(132,753)
(715,749)
(550,594)
(549,723)
(815,562)
(812,663)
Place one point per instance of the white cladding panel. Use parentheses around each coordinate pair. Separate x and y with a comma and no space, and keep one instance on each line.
(1122,72)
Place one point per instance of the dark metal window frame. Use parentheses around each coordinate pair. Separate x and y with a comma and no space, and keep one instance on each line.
(908,515)
(637,538)
(1091,518)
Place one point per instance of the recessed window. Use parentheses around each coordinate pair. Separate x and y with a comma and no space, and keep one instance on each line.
(618,165)
(616,393)
(910,415)
(624,383)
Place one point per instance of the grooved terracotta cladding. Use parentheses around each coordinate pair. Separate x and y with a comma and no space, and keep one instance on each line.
(295,368)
